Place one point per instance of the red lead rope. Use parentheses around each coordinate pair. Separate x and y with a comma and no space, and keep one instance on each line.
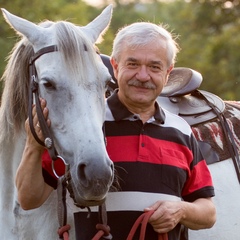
(63,232)
(143,220)
(103,230)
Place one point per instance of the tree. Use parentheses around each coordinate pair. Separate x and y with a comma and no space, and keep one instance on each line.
(208,32)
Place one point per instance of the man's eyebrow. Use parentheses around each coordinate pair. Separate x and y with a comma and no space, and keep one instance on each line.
(131,59)
(156,62)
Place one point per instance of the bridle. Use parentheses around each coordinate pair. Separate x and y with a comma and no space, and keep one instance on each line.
(63,181)
(48,139)
(33,92)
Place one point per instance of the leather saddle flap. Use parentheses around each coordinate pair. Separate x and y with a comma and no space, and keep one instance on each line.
(191,104)
(193,107)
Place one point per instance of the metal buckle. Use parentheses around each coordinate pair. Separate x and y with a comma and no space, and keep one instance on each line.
(67,166)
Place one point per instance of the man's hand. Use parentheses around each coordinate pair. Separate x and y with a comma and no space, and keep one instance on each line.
(194,215)
(166,216)
(30,138)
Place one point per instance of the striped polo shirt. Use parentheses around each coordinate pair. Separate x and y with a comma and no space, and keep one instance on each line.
(157,160)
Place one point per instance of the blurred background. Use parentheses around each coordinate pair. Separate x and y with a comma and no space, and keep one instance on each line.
(208,31)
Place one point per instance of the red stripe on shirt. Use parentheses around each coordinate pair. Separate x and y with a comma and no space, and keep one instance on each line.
(199,172)
(146,149)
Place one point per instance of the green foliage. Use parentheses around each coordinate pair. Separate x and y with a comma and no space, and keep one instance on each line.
(208,30)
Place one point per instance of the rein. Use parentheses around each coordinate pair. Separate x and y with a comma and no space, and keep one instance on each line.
(143,220)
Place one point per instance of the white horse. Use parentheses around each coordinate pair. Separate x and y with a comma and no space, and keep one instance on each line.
(72,78)
(225,178)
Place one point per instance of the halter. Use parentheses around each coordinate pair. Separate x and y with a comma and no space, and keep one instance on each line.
(63,181)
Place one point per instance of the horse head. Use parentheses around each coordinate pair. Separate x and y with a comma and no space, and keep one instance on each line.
(73,80)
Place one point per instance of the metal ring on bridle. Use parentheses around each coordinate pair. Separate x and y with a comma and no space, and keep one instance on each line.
(65,163)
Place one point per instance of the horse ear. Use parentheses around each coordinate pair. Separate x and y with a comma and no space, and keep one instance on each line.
(97,28)
(24,27)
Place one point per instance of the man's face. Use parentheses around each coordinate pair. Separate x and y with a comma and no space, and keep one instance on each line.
(142,73)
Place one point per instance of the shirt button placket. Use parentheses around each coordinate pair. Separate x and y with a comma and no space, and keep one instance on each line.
(142,143)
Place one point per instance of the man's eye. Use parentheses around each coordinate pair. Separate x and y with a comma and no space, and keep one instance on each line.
(155,67)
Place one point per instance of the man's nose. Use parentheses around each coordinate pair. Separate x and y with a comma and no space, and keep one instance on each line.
(142,74)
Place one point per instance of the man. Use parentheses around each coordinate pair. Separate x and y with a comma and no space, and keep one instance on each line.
(158,162)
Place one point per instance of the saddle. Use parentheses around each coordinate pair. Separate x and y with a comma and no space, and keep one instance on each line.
(181,95)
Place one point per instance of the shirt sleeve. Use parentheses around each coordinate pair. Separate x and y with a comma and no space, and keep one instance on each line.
(199,183)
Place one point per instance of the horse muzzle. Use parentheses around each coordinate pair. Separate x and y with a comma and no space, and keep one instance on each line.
(90,185)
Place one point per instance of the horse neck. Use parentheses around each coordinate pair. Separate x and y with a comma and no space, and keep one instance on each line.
(11,122)
(10,156)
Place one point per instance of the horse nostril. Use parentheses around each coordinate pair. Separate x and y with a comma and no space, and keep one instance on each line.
(82,174)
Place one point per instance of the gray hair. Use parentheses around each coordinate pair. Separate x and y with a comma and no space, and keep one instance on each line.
(141,33)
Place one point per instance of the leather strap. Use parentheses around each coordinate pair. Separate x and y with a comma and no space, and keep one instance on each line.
(102,227)
(143,221)
(48,140)
(62,209)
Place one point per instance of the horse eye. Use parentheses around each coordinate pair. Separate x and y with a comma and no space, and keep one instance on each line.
(48,84)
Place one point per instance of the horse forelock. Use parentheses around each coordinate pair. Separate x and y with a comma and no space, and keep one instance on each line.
(15,94)
(76,48)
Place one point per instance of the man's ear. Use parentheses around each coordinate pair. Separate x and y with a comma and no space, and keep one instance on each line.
(170,69)
(114,66)
(168,72)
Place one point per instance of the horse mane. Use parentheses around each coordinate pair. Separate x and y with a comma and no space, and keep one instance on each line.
(71,43)
(16,83)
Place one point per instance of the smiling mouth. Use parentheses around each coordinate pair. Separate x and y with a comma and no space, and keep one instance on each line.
(141,89)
